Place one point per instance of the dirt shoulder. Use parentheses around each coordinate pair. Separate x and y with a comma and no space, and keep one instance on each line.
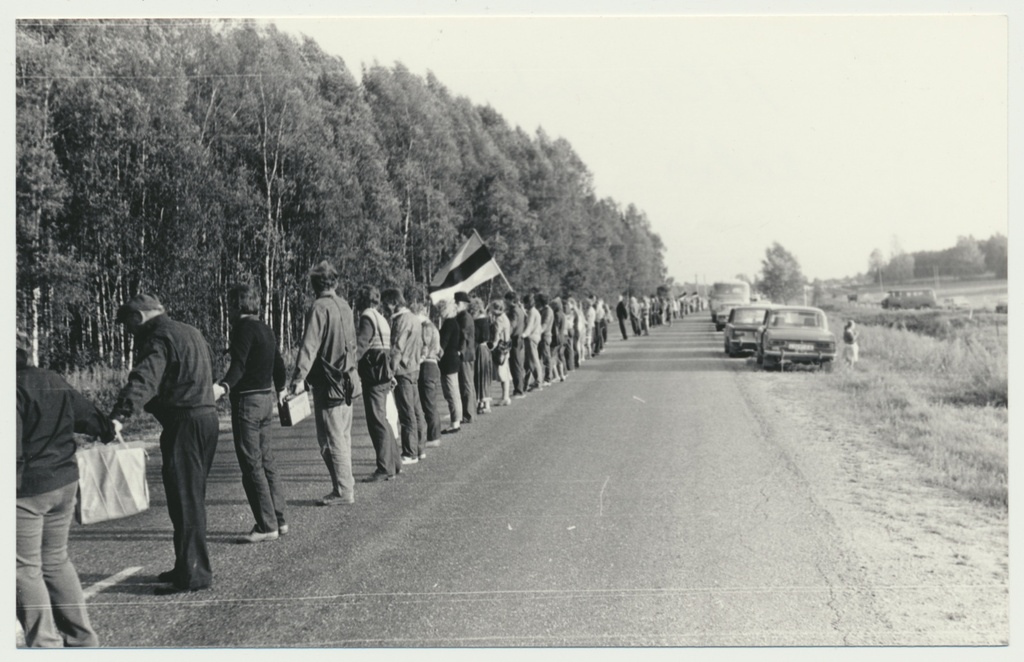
(936,563)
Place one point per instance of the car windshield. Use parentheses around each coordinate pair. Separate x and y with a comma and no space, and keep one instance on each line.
(747,316)
(795,318)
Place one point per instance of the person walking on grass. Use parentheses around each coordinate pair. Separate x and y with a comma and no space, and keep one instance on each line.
(255,383)
(50,604)
(329,337)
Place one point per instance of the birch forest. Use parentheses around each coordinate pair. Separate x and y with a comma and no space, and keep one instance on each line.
(178,157)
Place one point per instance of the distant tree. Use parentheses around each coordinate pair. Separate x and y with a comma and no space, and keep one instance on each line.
(900,268)
(995,250)
(966,259)
(781,278)
(876,263)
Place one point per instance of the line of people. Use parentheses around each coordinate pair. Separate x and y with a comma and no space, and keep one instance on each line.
(385,348)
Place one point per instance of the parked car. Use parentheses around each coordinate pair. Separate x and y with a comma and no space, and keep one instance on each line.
(724,310)
(795,334)
(741,330)
(1002,306)
(920,298)
(956,303)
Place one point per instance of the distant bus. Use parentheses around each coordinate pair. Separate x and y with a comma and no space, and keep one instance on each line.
(725,295)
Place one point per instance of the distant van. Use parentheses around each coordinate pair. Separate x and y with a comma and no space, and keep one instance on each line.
(924,298)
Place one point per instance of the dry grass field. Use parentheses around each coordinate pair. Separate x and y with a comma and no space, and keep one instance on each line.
(935,385)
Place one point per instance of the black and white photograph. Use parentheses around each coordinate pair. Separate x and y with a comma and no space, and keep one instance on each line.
(506,328)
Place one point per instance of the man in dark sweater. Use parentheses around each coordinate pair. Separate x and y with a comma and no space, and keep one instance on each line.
(173,381)
(467,347)
(50,604)
(255,382)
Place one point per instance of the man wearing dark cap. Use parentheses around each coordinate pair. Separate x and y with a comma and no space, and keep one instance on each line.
(467,347)
(173,381)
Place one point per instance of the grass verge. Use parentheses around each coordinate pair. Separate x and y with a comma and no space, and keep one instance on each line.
(942,399)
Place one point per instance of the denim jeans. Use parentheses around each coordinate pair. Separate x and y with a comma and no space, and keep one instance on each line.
(251,417)
(429,382)
(450,388)
(334,435)
(516,358)
(410,413)
(50,604)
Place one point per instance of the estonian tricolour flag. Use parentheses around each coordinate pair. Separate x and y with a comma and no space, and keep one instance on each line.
(472,265)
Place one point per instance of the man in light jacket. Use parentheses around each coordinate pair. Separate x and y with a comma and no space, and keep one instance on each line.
(406,351)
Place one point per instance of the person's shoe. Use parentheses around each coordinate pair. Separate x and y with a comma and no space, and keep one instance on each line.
(506,402)
(258,536)
(282,529)
(450,431)
(409,460)
(333,499)
(435,443)
(172,590)
(377,477)
(423,456)
(545,384)
(466,420)
(519,396)
(167,577)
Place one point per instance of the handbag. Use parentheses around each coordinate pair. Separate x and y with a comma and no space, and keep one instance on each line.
(375,365)
(111,482)
(500,352)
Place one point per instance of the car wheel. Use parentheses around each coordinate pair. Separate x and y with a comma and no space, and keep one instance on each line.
(769,364)
(826,366)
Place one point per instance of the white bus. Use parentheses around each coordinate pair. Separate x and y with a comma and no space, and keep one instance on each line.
(726,295)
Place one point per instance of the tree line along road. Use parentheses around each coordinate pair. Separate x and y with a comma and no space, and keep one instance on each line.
(640,503)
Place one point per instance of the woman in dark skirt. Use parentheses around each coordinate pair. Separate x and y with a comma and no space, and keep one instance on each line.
(484,374)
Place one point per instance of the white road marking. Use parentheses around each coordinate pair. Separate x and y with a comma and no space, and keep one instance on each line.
(636,398)
(600,498)
(108,582)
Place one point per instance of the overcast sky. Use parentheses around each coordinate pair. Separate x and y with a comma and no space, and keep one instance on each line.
(832,135)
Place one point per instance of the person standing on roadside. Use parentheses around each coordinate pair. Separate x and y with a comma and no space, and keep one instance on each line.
(622,312)
(429,380)
(50,604)
(406,349)
(851,351)
(547,320)
(173,381)
(255,382)
(467,350)
(374,336)
(534,373)
(516,315)
(450,364)
(329,338)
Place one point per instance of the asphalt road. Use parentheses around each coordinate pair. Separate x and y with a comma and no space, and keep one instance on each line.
(637,504)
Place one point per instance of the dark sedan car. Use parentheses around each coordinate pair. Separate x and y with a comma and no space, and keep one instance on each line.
(741,330)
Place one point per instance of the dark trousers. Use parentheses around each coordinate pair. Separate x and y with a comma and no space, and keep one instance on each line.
(375,402)
(516,361)
(410,413)
(598,338)
(251,417)
(622,327)
(429,384)
(187,446)
(467,373)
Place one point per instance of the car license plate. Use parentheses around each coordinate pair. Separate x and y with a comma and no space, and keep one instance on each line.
(800,347)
